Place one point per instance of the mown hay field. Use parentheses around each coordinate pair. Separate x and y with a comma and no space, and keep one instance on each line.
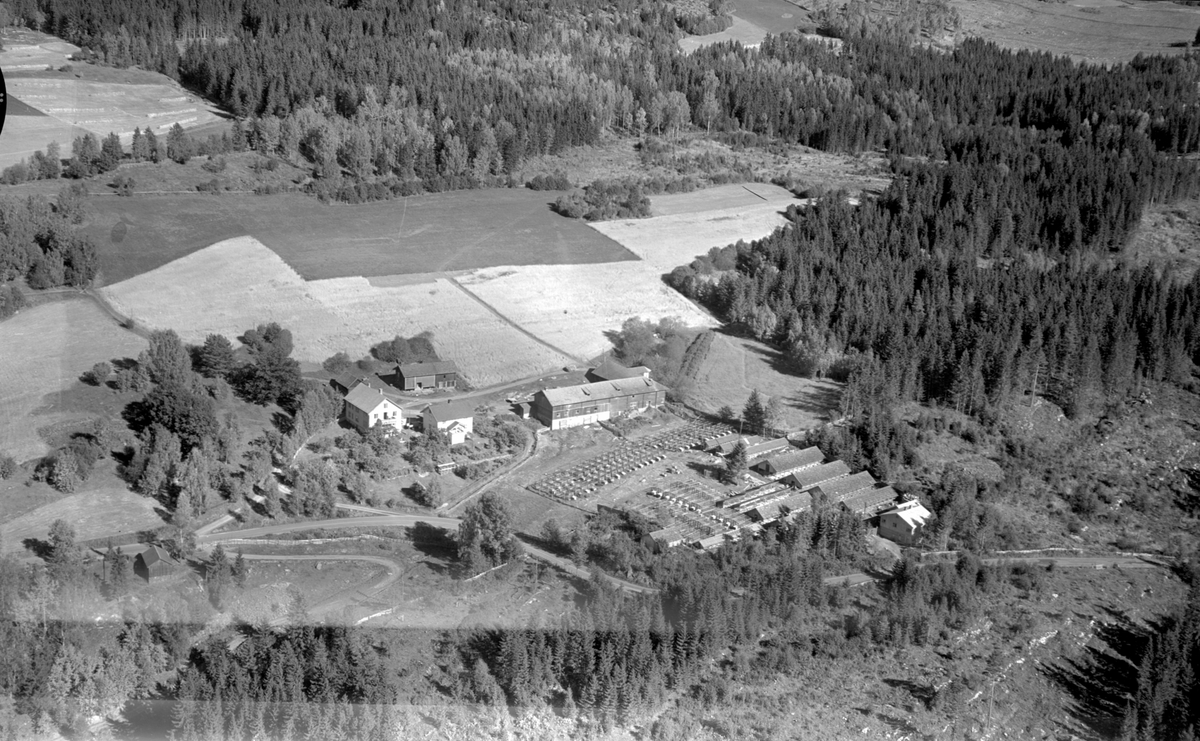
(239,283)
(666,242)
(422,234)
(572,307)
(107,107)
(24,135)
(736,366)
(106,507)
(43,351)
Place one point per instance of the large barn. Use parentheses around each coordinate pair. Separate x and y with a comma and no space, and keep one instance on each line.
(440,374)
(572,406)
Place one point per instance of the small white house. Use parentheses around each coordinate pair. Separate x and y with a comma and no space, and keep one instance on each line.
(904,523)
(366,407)
(455,418)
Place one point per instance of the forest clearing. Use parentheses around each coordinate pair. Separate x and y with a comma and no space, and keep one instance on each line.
(46,348)
(736,366)
(460,230)
(666,242)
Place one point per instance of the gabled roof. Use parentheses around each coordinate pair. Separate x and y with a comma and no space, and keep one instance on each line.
(838,489)
(714,443)
(912,512)
(870,501)
(791,461)
(347,380)
(798,502)
(766,447)
(600,391)
(366,398)
(154,554)
(449,410)
(810,477)
(432,368)
(458,425)
(610,370)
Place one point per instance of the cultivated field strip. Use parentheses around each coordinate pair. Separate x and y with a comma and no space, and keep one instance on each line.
(239,283)
(573,306)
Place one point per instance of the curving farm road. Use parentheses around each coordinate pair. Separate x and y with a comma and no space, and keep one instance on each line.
(348,596)
(376,518)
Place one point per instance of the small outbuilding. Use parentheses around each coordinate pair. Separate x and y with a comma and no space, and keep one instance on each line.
(154,564)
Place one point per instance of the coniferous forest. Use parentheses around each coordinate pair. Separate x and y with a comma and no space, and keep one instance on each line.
(987,273)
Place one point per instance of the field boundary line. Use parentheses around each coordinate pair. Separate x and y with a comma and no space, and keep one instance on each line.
(511,323)
(747,189)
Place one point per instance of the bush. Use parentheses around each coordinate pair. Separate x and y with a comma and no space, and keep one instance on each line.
(214,165)
(557,181)
(124,185)
(8,466)
(212,186)
(99,373)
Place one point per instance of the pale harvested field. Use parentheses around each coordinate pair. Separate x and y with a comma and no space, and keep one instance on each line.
(572,306)
(488,349)
(105,107)
(108,509)
(1102,31)
(239,283)
(43,351)
(666,242)
(32,50)
(735,366)
(737,195)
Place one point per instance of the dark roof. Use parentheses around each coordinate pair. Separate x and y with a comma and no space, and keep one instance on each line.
(610,370)
(346,380)
(791,461)
(714,443)
(600,391)
(154,554)
(432,368)
(810,477)
(838,489)
(869,501)
(445,411)
(798,502)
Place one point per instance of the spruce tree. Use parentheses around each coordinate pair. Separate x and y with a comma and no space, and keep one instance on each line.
(736,464)
(753,415)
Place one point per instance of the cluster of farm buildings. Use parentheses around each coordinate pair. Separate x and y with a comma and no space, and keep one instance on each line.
(783,481)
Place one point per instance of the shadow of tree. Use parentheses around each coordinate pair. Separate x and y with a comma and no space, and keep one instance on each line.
(1101,682)
(37,547)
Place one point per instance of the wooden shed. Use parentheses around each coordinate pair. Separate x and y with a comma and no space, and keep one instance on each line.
(154,563)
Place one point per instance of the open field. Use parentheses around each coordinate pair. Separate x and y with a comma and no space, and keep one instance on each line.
(107,507)
(742,31)
(735,366)
(666,242)
(105,107)
(773,16)
(1102,31)
(422,234)
(45,349)
(718,197)
(25,49)
(24,135)
(237,284)
(572,306)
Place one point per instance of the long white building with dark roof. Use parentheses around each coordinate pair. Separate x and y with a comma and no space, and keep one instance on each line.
(571,406)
